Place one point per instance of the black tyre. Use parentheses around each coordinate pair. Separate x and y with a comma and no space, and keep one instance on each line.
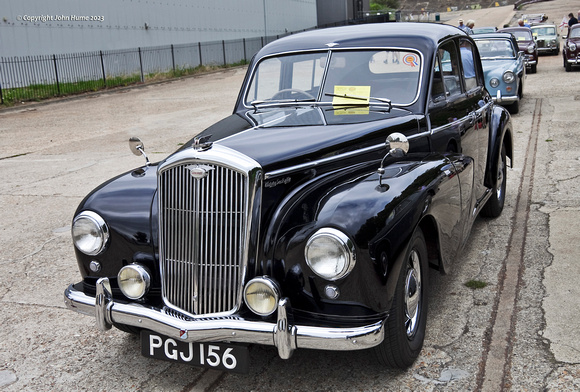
(568,66)
(405,327)
(514,108)
(534,68)
(494,205)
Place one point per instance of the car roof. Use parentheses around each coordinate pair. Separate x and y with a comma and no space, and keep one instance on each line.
(392,34)
(493,35)
(518,28)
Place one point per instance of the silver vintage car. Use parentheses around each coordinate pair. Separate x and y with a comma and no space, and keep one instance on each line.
(547,38)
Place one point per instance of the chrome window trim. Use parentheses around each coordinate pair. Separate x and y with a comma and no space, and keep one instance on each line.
(329,52)
(233,160)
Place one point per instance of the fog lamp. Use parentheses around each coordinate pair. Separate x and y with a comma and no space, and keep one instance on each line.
(134,281)
(261,295)
(494,82)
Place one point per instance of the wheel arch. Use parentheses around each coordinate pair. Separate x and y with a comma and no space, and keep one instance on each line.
(500,133)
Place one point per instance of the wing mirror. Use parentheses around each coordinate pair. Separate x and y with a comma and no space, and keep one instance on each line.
(397,145)
(138,148)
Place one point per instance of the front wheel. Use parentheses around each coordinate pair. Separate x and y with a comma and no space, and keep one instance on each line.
(494,205)
(405,327)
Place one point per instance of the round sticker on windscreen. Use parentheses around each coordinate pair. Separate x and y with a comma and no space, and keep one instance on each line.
(411,60)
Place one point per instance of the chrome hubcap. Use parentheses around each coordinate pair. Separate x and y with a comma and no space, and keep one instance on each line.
(500,178)
(412,294)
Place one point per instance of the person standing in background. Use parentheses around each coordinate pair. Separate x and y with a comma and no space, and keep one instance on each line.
(469,26)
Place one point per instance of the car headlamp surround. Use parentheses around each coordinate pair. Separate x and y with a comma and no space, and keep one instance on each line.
(134,281)
(494,82)
(90,233)
(262,295)
(531,49)
(330,253)
(572,46)
(508,77)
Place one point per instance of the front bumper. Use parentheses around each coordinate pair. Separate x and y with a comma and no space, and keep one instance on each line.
(281,334)
(499,98)
(574,60)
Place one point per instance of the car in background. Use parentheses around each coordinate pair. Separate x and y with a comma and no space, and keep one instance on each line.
(355,159)
(571,48)
(484,30)
(504,68)
(534,18)
(547,38)
(526,44)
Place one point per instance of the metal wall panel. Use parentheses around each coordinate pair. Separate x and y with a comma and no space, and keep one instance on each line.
(34,27)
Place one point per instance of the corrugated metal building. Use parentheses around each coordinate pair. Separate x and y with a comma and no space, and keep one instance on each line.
(35,27)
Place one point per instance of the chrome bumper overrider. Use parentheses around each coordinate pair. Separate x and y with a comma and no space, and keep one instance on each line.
(498,98)
(281,334)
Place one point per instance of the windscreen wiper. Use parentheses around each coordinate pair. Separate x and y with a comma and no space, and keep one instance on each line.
(357,97)
(281,102)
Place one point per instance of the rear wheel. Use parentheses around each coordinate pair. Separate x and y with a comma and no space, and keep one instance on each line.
(405,327)
(494,205)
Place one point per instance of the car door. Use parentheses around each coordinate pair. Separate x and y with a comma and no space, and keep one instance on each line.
(457,115)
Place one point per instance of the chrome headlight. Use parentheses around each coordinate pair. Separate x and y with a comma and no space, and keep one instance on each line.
(261,295)
(494,82)
(134,281)
(90,233)
(572,46)
(508,77)
(330,254)
(531,49)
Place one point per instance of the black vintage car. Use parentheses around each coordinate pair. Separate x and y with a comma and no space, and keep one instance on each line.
(356,159)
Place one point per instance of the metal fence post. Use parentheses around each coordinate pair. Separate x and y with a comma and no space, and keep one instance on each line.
(224,51)
(172,58)
(245,56)
(103,69)
(56,74)
(141,66)
(199,49)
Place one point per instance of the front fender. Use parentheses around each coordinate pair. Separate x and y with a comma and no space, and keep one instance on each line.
(380,217)
(500,133)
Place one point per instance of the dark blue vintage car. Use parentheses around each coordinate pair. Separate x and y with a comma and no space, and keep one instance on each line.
(356,159)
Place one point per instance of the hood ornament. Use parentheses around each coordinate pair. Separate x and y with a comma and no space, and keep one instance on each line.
(202,143)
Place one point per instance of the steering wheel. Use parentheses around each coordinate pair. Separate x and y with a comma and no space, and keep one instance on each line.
(290,91)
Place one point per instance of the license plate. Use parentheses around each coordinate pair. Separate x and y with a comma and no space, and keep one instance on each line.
(220,356)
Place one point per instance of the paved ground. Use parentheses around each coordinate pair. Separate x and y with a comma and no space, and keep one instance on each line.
(52,155)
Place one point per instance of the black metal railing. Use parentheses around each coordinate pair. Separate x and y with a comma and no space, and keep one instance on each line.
(38,77)
(32,78)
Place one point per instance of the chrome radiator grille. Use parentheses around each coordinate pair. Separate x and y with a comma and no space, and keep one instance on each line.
(202,236)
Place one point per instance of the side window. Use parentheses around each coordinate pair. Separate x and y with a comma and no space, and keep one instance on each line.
(450,68)
(468,64)
(437,87)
